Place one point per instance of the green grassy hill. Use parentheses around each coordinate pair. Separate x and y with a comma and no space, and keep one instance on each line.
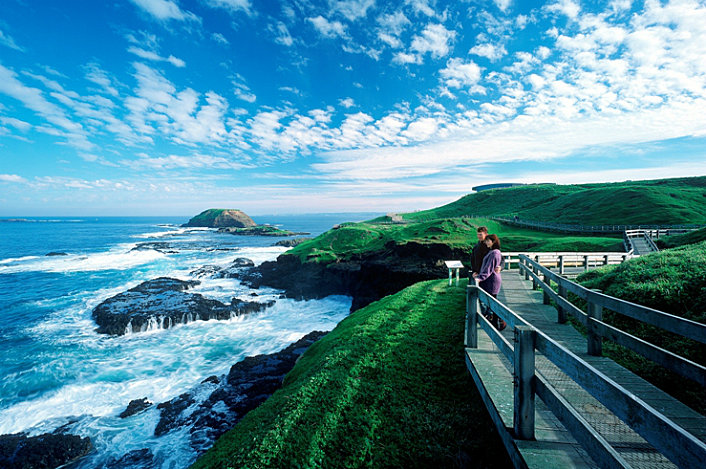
(388,387)
(352,239)
(665,201)
(673,281)
(682,239)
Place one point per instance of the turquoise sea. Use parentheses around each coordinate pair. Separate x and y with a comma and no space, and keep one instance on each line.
(55,370)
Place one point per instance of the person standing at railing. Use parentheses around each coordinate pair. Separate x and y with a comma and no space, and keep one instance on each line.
(479,252)
(489,276)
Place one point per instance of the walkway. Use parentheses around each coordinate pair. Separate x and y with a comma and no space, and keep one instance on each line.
(554,446)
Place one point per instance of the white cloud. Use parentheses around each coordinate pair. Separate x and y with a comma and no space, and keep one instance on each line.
(352,9)
(231,5)
(405,58)
(503,5)
(568,7)
(220,38)
(16,123)
(195,161)
(422,6)
(241,90)
(435,40)
(164,10)
(281,34)
(490,51)
(391,27)
(326,28)
(347,103)
(12,178)
(8,41)
(98,76)
(33,99)
(459,73)
(150,55)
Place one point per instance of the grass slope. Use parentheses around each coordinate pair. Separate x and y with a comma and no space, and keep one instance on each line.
(682,239)
(665,201)
(673,281)
(388,387)
(351,239)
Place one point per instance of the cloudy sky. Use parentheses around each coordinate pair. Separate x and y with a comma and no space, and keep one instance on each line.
(145,107)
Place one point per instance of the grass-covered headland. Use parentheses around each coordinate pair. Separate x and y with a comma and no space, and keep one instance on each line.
(388,387)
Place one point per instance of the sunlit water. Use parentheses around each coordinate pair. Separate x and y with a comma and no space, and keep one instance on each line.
(56,370)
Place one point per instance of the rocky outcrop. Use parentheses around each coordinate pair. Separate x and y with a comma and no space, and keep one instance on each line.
(162,303)
(218,403)
(159,246)
(221,218)
(135,407)
(366,277)
(290,243)
(55,253)
(50,450)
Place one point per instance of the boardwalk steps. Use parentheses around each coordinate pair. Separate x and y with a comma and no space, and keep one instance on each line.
(554,445)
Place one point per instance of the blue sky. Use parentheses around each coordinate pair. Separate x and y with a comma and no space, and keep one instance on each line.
(147,107)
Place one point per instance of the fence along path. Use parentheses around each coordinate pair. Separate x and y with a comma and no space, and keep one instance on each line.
(591,411)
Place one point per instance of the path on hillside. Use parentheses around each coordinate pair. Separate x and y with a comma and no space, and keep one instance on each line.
(554,446)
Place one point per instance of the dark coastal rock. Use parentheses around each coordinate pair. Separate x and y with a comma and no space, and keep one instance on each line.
(159,246)
(290,243)
(215,406)
(366,277)
(49,450)
(234,269)
(54,253)
(135,407)
(208,270)
(162,303)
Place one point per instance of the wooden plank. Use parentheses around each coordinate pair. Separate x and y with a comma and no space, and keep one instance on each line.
(598,448)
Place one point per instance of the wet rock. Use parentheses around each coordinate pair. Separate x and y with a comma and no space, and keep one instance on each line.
(159,246)
(215,406)
(54,253)
(162,303)
(234,268)
(49,450)
(135,407)
(206,271)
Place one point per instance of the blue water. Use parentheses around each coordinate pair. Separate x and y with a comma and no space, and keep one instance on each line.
(56,370)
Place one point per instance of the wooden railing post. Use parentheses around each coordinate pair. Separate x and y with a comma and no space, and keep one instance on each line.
(606,259)
(595,342)
(472,309)
(561,264)
(526,269)
(585,262)
(524,383)
(561,319)
(546,298)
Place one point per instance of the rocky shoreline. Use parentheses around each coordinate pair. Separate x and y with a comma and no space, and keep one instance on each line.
(162,303)
(366,277)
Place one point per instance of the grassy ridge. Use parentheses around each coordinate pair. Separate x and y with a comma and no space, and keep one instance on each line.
(665,201)
(673,281)
(388,387)
(351,239)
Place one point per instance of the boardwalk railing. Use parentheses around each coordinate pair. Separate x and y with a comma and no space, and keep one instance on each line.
(646,235)
(597,329)
(562,260)
(670,439)
(597,229)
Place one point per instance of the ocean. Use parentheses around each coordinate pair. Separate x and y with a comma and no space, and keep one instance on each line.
(55,370)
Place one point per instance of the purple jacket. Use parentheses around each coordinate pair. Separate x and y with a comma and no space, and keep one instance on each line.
(490,281)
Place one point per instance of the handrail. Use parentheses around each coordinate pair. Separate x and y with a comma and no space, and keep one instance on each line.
(577,228)
(674,442)
(678,325)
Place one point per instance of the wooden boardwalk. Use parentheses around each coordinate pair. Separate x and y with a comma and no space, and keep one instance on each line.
(554,445)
